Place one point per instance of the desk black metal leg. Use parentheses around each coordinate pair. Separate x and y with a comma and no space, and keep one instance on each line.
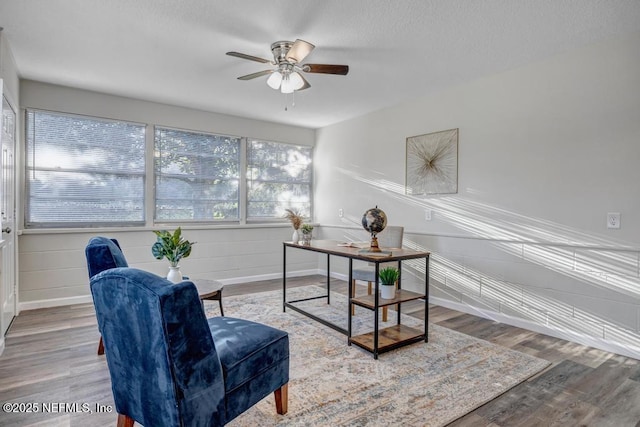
(399,305)
(375,311)
(328,280)
(221,310)
(284,277)
(349,305)
(426,300)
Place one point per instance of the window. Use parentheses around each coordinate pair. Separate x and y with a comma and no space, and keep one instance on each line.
(278,177)
(90,172)
(197,176)
(83,171)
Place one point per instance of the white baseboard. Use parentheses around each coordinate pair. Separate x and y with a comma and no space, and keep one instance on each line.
(600,343)
(271,276)
(54,302)
(83,299)
(1,345)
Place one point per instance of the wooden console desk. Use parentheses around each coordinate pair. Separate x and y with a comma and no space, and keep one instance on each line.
(380,340)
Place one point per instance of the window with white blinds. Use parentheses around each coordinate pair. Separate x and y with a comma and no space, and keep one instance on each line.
(83,172)
(197,176)
(279,176)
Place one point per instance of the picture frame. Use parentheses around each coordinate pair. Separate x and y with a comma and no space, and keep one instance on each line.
(432,163)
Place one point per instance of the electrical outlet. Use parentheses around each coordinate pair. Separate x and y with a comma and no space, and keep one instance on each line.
(613,220)
(427,215)
(340,213)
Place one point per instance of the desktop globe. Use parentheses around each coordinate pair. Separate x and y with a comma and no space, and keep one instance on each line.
(374,221)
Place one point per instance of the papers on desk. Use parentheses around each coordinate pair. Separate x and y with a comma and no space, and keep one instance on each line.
(354,244)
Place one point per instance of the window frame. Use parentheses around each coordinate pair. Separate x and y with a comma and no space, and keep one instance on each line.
(84,224)
(148,176)
(154,204)
(276,220)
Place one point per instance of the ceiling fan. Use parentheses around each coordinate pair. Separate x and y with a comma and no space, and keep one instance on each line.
(287,58)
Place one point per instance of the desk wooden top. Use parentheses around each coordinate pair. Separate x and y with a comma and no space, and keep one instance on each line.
(333,247)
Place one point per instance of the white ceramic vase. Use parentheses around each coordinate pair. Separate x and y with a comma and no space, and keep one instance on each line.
(387,291)
(174,276)
(296,236)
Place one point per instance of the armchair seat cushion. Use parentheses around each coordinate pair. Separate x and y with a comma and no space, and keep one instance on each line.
(364,274)
(247,349)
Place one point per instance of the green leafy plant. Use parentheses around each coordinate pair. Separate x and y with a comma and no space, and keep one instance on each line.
(306,228)
(172,246)
(389,276)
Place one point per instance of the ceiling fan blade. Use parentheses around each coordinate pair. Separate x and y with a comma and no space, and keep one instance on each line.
(299,50)
(254,75)
(306,85)
(249,57)
(342,70)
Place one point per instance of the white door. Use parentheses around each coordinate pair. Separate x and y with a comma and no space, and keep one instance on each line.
(8,300)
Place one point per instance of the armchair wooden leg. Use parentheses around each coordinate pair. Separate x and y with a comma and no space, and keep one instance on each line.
(385,313)
(124,421)
(282,399)
(368,288)
(100,347)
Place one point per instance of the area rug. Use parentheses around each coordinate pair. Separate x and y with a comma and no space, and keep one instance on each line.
(333,384)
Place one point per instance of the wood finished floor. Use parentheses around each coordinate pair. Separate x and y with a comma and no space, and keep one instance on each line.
(50,356)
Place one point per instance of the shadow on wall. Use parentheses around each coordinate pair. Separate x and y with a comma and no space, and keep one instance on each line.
(594,264)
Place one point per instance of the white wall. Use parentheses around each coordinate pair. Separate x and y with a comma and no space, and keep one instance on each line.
(53,269)
(8,71)
(545,151)
(52,263)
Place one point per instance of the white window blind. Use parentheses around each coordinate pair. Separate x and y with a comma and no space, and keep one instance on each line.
(197,176)
(83,172)
(279,176)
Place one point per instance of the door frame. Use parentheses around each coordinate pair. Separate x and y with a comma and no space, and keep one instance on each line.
(13,234)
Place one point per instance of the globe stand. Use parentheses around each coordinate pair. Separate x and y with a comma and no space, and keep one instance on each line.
(374,244)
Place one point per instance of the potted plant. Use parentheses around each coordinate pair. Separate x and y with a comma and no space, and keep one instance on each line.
(296,221)
(174,247)
(307,232)
(388,278)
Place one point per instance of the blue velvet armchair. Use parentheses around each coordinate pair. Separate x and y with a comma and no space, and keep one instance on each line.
(171,366)
(103,253)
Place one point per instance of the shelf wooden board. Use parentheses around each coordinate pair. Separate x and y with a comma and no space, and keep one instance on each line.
(388,338)
(402,295)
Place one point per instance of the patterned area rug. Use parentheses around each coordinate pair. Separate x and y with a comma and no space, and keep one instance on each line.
(333,384)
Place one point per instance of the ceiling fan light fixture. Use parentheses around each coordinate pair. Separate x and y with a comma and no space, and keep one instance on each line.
(296,80)
(287,85)
(274,80)
(299,50)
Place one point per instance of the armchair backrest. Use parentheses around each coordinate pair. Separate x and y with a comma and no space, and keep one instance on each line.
(102,254)
(162,359)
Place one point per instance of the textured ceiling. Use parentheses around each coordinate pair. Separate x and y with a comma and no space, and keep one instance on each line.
(174,51)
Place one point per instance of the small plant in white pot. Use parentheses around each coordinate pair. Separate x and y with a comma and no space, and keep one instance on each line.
(174,247)
(388,278)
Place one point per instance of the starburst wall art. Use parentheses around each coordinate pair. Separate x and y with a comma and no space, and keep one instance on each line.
(432,163)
